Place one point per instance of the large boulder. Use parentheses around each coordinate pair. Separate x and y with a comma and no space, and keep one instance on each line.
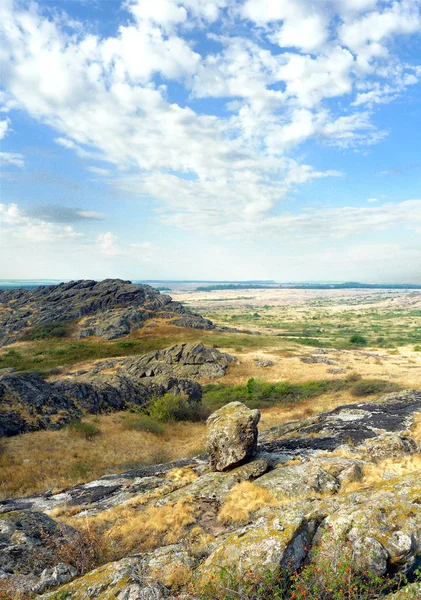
(231,435)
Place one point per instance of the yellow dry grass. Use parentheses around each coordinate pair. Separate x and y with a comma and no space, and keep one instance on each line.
(244,499)
(152,527)
(34,462)
(383,470)
(288,366)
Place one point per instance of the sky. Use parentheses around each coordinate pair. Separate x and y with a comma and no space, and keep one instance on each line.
(211,139)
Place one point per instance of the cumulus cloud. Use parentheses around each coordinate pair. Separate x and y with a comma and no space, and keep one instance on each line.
(304,70)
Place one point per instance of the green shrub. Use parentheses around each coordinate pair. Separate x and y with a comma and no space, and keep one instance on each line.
(366,387)
(51,330)
(353,377)
(142,422)
(358,340)
(258,394)
(173,408)
(83,430)
(417,348)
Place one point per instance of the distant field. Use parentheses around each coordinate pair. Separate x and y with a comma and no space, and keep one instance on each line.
(328,318)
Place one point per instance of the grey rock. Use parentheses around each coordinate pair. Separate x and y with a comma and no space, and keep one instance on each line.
(263,362)
(231,436)
(53,577)
(110,309)
(28,402)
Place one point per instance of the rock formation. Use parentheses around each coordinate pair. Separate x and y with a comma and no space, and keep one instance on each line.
(310,519)
(28,402)
(231,435)
(108,309)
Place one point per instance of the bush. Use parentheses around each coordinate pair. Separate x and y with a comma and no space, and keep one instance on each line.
(51,330)
(83,430)
(366,387)
(417,348)
(173,408)
(358,340)
(142,422)
(256,393)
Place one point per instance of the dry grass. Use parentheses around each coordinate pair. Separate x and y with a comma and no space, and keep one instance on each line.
(383,470)
(155,526)
(415,430)
(244,499)
(34,462)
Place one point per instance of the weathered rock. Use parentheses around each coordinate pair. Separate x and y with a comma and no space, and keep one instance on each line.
(231,435)
(53,577)
(121,580)
(381,527)
(353,424)
(270,544)
(28,402)
(299,481)
(29,543)
(263,362)
(216,485)
(110,309)
(388,445)
(409,592)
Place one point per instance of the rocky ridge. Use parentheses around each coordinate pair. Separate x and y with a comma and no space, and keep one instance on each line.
(28,402)
(304,466)
(109,309)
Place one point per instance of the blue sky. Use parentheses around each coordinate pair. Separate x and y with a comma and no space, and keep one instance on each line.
(211,139)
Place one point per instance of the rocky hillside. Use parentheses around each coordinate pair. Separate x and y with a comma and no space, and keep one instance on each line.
(28,402)
(109,309)
(313,508)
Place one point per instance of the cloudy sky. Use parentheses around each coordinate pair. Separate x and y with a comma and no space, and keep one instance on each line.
(211,139)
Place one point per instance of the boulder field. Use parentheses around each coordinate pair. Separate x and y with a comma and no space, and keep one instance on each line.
(28,402)
(308,502)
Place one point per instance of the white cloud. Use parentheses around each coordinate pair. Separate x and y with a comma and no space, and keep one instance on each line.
(99,171)
(12,158)
(110,98)
(4,125)
(372,200)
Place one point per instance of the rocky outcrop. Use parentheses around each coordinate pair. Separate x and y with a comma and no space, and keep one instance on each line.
(231,436)
(110,309)
(28,402)
(29,543)
(310,519)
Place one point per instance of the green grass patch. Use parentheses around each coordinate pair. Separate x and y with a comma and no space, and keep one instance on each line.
(142,422)
(51,330)
(368,387)
(87,431)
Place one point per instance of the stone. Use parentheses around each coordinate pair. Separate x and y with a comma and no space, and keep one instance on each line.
(29,543)
(270,544)
(299,481)
(120,580)
(263,362)
(381,527)
(231,436)
(388,445)
(53,577)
